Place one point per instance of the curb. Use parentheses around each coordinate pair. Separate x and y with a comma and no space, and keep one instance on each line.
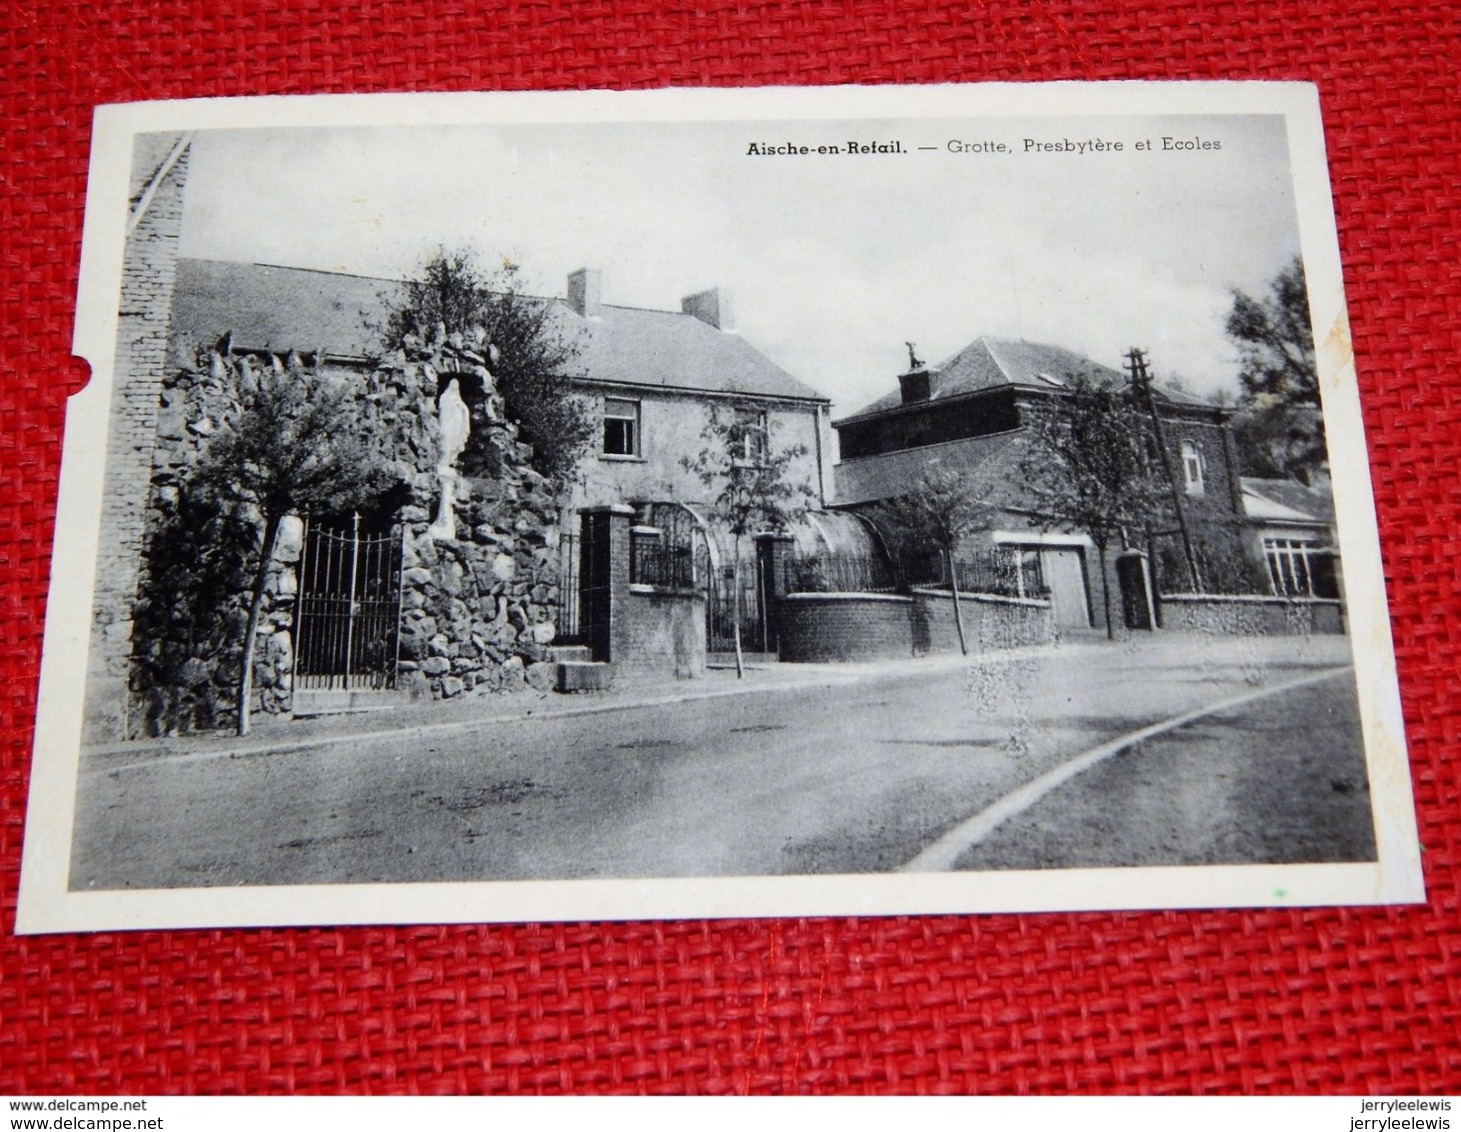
(943,853)
(792,677)
(809,676)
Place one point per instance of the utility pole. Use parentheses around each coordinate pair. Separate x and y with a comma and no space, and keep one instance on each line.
(1141,380)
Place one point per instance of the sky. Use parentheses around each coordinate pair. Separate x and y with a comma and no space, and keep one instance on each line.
(834,261)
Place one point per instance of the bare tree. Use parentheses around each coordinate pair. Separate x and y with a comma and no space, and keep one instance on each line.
(297,446)
(942,509)
(753,491)
(1089,464)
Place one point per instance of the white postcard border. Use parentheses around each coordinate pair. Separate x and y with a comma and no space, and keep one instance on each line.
(46,905)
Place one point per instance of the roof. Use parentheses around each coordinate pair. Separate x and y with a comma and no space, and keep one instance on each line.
(290,308)
(670,350)
(988,463)
(1282,500)
(279,308)
(990,363)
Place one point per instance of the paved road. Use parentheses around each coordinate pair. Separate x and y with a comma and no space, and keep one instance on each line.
(858,772)
(1280,779)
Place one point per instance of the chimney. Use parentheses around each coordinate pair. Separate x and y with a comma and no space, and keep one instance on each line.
(585,291)
(915,386)
(712,307)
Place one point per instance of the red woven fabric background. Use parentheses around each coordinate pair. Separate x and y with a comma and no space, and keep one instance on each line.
(1312,1001)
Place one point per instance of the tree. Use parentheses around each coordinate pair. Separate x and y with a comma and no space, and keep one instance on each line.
(197,564)
(532,358)
(297,446)
(1279,421)
(938,513)
(753,492)
(1089,465)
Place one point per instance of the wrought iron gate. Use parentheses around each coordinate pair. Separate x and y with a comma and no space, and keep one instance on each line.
(721,602)
(688,537)
(348,610)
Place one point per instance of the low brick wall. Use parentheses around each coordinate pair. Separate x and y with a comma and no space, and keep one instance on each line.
(990,621)
(659,633)
(823,627)
(1251,616)
(817,627)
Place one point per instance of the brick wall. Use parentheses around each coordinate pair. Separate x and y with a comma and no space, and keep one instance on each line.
(990,622)
(642,630)
(1214,515)
(1251,616)
(1221,496)
(660,633)
(816,628)
(148,273)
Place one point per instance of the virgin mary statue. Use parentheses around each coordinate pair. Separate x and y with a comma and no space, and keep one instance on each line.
(456,426)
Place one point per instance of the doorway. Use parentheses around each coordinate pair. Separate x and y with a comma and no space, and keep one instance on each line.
(1064,569)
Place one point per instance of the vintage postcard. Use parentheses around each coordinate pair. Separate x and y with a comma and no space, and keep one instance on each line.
(714,503)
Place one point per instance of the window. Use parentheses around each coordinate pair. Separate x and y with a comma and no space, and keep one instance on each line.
(750,437)
(621,427)
(1300,568)
(1192,468)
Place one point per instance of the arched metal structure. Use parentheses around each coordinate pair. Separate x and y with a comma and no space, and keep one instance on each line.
(830,550)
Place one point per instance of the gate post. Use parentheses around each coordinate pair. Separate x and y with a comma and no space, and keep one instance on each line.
(354,607)
(772,553)
(1136,590)
(603,575)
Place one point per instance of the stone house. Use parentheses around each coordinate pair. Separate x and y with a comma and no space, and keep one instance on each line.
(968,414)
(653,375)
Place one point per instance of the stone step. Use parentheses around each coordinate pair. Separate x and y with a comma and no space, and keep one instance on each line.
(584,676)
(335,701)
(570,652)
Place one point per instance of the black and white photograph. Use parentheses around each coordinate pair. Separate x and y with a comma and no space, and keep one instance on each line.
(853,501)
